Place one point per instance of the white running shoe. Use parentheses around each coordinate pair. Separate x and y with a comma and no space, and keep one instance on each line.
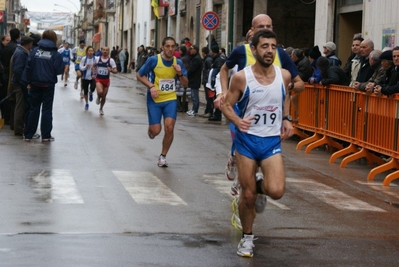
(246,245)
(101,112)
(261,200)
(75,85)
(231,168)
(235,188)
(235,218)
(162,161)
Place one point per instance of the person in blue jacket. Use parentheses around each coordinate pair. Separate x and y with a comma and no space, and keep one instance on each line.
(43,65)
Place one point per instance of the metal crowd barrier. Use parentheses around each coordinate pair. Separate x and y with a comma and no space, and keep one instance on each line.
(356,124)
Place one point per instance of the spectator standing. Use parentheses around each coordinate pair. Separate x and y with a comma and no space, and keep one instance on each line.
(218,61)
(194,78)
(390,83)
(375,59)
(122,59)
(302,63)
(213,41)
(329,50)
(3,88)
(331,74)
(206,67)
(43,65)
(18,64)
(314,54)
(352,65)
(114,52)
(141,57)
(6,55)
(126,61)
(365,70)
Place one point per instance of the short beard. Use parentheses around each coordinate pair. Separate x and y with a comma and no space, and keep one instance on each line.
(264,64)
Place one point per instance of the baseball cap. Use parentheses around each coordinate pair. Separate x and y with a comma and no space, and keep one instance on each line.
(330,46)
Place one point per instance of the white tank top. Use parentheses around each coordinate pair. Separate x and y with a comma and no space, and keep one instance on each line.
(265,102)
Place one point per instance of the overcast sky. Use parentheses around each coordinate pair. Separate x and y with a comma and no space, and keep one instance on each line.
(48,5)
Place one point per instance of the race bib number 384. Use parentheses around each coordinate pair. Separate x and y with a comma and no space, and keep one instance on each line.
(167,85)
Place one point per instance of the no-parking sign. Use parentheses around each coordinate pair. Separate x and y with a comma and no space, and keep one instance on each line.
(210,21)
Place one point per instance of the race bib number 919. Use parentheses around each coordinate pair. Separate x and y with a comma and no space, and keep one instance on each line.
(265,116)
(167,85)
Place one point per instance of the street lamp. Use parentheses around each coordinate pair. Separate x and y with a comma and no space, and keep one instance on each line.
(64,7)
(77,9)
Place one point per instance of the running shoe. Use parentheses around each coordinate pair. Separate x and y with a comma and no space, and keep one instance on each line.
(98,100)
(246,245)
(101,112)
(50,139)
(90,96)
(162,161)
(235,218)
(65,84)
(75,85)
(86,106)
(191,113)
(261,200)
(36,136)
(231,169)
(235,188)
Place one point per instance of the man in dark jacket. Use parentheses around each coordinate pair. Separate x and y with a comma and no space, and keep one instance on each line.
(207,65)
(218,61)
(19,60)
(365,71)
(331,74)
(6,55)
(194,78)
(302,63)
(43,65)
(390,86)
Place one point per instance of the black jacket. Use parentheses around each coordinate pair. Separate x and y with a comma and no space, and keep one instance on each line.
(365,71)
(194,72)
(391,81)
(8,51)
(334,75)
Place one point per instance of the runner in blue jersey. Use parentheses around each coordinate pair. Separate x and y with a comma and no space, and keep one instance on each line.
(66,55)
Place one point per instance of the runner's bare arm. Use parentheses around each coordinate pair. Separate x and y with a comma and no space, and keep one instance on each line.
(287,130)
(234,93)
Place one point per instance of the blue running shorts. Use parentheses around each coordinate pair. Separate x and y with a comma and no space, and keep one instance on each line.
(77,67)
(255,147)
(167,109)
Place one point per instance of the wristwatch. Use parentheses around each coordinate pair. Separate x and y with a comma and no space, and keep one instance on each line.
(288,118)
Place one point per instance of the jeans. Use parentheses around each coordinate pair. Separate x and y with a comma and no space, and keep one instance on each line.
(195,99)
(122,65)
(40,97)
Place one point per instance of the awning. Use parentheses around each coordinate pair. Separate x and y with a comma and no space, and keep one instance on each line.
(97,37)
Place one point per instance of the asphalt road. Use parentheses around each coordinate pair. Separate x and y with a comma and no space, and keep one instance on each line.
(95,197)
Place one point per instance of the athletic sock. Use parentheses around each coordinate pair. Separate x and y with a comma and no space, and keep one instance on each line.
(246,234)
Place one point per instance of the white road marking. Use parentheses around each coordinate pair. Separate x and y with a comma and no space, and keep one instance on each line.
(391,190)
(221,184)
(57,186)
(146,188)
(332,196)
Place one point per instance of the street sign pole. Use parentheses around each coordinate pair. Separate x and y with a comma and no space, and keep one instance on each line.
(210,21)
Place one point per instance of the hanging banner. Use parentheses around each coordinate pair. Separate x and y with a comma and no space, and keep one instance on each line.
(388,38)
(2,5)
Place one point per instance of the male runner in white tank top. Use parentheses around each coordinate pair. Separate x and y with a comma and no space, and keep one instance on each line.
(260,92)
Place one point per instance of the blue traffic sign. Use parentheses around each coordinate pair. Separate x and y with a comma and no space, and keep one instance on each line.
(210,20)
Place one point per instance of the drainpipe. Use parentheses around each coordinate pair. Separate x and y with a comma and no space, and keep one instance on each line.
(123,8)
(230,27)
